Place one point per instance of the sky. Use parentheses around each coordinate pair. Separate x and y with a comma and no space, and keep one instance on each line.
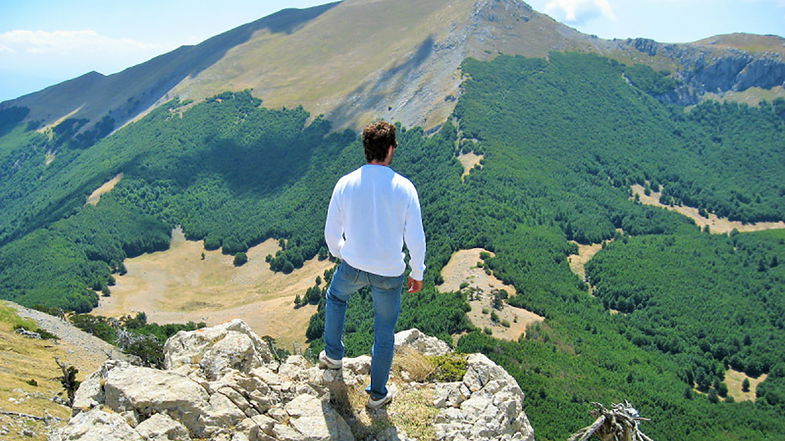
(44,42)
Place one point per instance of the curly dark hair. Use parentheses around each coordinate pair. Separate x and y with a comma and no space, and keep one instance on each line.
(377,137)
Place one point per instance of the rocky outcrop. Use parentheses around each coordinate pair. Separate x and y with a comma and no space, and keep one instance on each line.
(713,70)
(222,383)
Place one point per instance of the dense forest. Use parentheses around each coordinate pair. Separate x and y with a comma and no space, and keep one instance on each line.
(563,140)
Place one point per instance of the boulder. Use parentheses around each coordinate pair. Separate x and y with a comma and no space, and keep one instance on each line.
(96,425)
(91,391)
(215,350)
(160,427)
(489,405)
(148,391)
(222,384)
(420,342)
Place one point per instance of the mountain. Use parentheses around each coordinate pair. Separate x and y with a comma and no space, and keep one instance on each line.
(358,60)
(559,148)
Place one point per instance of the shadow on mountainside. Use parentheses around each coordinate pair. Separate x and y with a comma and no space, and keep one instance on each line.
(372,92)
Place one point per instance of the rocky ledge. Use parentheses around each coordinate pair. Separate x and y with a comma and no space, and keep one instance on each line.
(225,383)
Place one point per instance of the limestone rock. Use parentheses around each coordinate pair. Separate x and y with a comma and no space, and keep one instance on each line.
(91,392)
(232,345)
(222,384)
(420,342)
(493,408)
(160,427)
(97,425)
(315,420)
(148,391)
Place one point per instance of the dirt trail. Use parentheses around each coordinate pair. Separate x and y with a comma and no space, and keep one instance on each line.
(177,285)
(717,225)
(462,268)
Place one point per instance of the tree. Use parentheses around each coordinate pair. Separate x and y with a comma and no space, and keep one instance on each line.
(240,259)
(68,380)
(723,390)
(713,396)
(745,385)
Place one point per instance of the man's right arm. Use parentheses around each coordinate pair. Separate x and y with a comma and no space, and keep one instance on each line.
(333,227)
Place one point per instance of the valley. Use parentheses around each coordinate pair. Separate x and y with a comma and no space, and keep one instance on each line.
(177,286)
(232,147)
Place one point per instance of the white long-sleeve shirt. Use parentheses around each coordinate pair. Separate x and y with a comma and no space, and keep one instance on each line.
(372,212)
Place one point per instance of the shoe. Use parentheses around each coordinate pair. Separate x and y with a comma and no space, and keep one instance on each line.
(375,404)
(326,362)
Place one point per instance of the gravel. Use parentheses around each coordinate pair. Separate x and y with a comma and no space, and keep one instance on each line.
(81,346)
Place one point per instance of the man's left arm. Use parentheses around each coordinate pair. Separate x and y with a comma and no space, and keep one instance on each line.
(414,236)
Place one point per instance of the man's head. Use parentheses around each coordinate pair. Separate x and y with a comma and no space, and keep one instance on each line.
(378,137)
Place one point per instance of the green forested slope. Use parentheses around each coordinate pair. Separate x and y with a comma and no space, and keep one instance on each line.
(562,139)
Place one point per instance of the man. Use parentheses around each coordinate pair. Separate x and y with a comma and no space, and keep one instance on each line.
(372,212)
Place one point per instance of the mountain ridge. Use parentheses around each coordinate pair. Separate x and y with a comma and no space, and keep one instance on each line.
(325,59)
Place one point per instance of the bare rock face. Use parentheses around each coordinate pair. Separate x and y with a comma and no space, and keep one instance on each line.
(222,383)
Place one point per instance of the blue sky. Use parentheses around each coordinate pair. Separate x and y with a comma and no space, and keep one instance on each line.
(43,42)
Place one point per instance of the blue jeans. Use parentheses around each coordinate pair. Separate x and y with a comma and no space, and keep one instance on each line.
(386,293)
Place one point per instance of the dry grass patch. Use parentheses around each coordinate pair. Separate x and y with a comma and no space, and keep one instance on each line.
(465,272)
(585,253)
(177,286)
(412,411)
(717,225)
(108,186)
(412,364)
(734,380)
(752,96)
(27,378)
(469,161)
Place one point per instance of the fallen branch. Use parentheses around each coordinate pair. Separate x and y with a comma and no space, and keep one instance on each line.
(32,417)
(619,423)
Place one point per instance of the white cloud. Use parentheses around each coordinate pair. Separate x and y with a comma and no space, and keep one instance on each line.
(66,54)
(579,11)
(69,42)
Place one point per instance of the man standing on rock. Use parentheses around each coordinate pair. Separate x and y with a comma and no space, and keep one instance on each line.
(373,212)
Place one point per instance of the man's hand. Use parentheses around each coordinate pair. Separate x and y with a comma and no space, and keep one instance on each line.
(414,285)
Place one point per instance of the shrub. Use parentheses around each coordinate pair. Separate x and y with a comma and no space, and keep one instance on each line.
(449,367)
(240,259)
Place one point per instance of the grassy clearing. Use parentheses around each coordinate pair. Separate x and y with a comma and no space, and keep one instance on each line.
(717,225)
(752,96)
(463,273)
(469,161)
(95,196)
(734,380)
(177,286)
